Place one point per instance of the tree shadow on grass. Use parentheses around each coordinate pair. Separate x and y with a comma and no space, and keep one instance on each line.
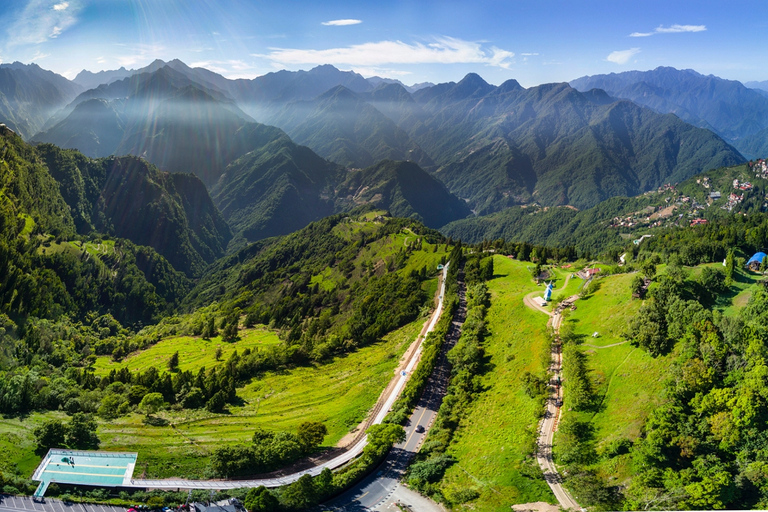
(154,421)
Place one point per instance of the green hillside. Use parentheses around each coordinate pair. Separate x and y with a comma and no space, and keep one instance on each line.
(130,198)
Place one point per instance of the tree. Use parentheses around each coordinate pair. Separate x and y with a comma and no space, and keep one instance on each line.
(729,266)
(217,402)
(110,406)
(300,494)
(311,434)
(260,499)
(486,269)
(50,434)
(590,489)
(81,432)
(713,281)
(324,483)
(209,329)
(636,287)
(151,403)
(218,353)
(229,333)
(383,436)
(173,362)
(194,399)
(649,269)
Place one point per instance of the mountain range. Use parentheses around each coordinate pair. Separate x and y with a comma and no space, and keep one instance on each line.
(734,111)
(337,140)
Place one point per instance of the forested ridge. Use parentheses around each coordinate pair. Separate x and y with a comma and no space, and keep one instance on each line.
(104,259)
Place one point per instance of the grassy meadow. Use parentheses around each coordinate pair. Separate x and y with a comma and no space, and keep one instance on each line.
(194,351)
(338,393)
(627,380)
(499,430)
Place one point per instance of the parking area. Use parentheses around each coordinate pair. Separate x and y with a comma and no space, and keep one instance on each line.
(24,503)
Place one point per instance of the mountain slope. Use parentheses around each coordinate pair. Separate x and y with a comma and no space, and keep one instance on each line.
(341,127)
(726,106)
(29,95)
(46,274)
(276,188)
(501,146)
(405,190)
(279,187)
(130,198)
(555,145)
(164,117)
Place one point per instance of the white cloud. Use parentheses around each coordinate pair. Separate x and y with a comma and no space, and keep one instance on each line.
(672,29)
(42,20)
(445,50)
(141,54)
(341,23)
(529,54)
(228,68)
(622,56)
(385,72)
(39,55)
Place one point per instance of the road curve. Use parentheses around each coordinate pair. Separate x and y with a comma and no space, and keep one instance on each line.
(552,414)
(391,393)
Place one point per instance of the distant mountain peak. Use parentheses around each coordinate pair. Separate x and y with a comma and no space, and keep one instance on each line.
(472,79)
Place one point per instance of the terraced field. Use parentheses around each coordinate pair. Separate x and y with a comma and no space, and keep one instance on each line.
(338,393)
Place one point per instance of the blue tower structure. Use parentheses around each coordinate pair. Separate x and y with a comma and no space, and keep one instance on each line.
(548,292)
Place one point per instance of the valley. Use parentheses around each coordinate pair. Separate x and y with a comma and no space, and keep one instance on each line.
(314,290)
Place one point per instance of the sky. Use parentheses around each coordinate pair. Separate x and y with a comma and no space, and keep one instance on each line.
(532,41)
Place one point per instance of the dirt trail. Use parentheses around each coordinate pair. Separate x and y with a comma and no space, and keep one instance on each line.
(552,412)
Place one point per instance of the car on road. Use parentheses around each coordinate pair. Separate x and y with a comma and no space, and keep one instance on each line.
(419,429)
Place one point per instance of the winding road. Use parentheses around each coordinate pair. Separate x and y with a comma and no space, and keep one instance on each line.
(552,413)
(380,410)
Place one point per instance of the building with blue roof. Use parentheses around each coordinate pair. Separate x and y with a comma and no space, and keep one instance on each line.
(756,260)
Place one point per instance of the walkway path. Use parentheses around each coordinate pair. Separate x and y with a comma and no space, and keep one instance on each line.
(552,415)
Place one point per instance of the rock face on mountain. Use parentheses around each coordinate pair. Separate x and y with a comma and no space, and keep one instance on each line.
(727,107)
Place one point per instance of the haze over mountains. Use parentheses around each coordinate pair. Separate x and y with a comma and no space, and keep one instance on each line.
(338,140)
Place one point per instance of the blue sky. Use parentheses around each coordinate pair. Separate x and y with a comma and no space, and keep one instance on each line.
(533,41)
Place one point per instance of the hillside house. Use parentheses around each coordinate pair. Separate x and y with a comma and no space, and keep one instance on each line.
(755,261)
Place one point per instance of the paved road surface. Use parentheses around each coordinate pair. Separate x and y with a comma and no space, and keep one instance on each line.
(385,402)
(380,490)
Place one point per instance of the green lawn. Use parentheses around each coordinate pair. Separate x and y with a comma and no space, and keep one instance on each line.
(194,352)
(629,385)
(17,446)
(743,286)
(338,393)
(500,427)
(571,288)
(628,382)
(607,311)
